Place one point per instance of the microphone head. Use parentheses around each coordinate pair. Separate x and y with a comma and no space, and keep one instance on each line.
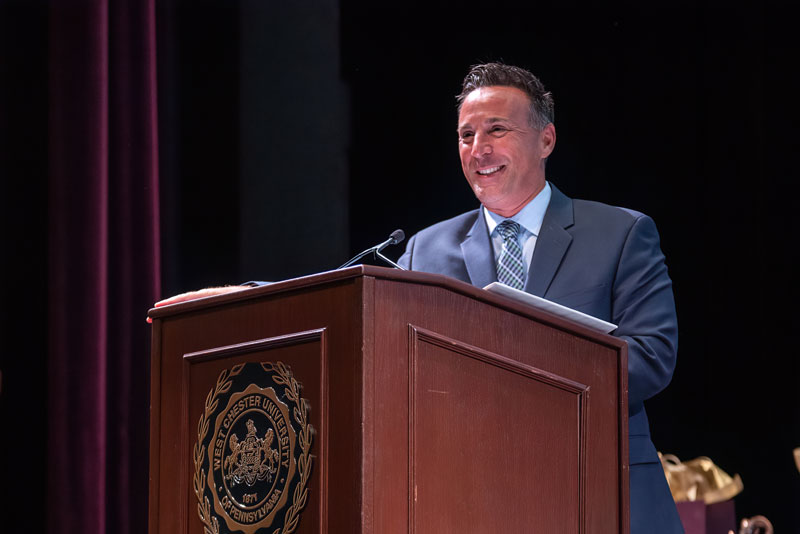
(397,236)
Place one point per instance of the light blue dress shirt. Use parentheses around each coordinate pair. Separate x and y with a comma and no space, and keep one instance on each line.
(529,219)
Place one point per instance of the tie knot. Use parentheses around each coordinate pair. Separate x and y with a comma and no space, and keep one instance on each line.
(508,229)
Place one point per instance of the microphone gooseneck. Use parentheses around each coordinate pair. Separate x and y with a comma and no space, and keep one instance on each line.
(396,237)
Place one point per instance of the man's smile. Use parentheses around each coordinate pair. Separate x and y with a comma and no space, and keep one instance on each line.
(490,170)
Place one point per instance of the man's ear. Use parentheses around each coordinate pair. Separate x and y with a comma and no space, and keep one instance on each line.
(548,140)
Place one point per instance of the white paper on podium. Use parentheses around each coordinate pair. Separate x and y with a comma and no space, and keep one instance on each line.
(551,307)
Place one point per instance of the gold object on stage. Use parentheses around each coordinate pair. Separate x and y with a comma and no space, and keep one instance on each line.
(699,480)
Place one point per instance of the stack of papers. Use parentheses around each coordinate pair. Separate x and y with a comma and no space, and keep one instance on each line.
(551,307)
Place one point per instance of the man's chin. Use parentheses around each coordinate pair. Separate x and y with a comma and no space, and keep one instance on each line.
(488,191)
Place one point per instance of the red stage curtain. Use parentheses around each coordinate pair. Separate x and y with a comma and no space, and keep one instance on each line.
(103,262)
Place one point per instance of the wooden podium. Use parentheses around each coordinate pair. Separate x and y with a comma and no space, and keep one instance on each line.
(430,407)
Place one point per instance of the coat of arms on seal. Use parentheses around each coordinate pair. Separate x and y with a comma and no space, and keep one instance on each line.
(252,456)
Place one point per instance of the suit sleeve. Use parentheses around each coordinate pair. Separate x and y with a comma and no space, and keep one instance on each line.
(405,260)
(643,307)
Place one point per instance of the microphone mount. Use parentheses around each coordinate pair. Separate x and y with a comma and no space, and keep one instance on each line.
(396,237)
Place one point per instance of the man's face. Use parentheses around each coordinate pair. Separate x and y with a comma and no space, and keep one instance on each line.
(502,155)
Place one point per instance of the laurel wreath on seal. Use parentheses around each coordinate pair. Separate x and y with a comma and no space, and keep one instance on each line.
(224,382)
(304,438)
(301,408)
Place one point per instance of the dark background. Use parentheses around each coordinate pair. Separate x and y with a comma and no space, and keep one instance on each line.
(294,136)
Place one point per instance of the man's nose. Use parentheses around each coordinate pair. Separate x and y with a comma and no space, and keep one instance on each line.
(482,146)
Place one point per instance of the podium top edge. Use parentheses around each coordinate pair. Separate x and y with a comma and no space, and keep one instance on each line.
(384,273)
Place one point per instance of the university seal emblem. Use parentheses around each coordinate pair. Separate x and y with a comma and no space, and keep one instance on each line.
(252,456)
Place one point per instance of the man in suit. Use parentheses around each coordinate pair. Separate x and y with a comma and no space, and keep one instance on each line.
(602,260)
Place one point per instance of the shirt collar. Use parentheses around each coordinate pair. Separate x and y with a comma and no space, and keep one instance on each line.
(530,217)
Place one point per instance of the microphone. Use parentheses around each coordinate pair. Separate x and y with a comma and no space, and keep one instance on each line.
(396,237)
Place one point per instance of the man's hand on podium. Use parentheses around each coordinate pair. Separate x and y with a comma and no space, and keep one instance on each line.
(201,293)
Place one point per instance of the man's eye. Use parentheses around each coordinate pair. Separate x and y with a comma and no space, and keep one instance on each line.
(466,137)
(497,129)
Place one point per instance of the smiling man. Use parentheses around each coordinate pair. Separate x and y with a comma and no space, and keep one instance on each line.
(602,260)
(503,147)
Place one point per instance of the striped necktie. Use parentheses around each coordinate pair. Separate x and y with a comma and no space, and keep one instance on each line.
(510,267)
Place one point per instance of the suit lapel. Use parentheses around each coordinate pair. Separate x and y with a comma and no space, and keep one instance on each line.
(480,265)
(551,244)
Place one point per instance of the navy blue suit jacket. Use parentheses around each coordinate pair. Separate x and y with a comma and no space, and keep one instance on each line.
(604,261)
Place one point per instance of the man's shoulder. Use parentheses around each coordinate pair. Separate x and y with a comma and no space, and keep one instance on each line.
(592,209)
(566,211)
(613,226)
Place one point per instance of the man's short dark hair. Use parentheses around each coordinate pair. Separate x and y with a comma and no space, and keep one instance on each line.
(494,74)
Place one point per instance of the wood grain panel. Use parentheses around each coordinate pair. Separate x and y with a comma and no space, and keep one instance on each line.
(484,432)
